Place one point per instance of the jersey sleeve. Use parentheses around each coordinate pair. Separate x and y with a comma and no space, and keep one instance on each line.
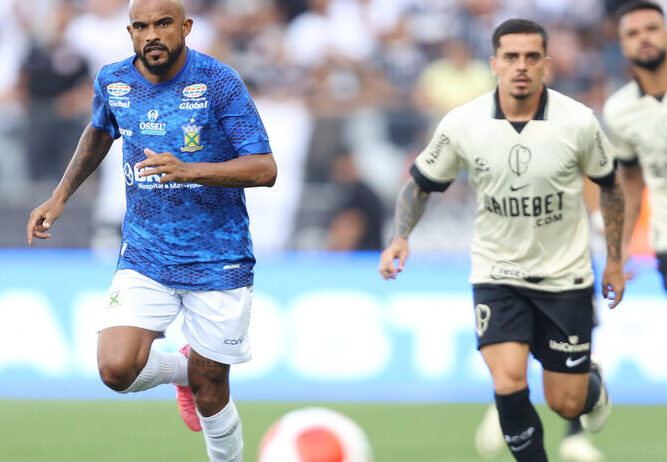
(437,165)
(624,150)
(239,118)
(103,119)
(597,153)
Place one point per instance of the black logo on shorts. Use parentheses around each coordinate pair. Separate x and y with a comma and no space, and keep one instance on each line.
(518,160)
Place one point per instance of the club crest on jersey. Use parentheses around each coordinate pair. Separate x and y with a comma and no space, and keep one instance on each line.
(519,158)
(191,137)
(118,89)
(194,91)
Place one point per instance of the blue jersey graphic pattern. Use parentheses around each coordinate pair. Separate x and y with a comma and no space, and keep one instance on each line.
(185,236)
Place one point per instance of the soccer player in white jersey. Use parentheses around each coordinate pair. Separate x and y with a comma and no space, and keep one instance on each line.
(526,149)
(192,141)
(636,117)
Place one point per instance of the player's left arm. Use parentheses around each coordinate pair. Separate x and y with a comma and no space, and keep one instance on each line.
(243,172)
(612,206)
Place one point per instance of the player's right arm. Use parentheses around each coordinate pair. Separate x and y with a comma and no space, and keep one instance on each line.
(434,170)
(93,146)
(409,209)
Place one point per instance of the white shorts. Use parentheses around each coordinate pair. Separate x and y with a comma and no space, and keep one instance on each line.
(215,323)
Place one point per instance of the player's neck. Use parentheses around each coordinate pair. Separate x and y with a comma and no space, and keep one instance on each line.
(519,110)
(652,82)
(155,79)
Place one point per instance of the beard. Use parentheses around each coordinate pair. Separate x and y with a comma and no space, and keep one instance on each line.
(650,64)
(521,96)
(160,69)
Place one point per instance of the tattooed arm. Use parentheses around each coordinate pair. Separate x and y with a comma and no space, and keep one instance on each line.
(243,172)
(409,209)
(92,148)
(612,205)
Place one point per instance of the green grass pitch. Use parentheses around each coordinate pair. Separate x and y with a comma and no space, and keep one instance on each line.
(140,431)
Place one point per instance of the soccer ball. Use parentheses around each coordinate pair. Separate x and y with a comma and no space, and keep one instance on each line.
(314,434)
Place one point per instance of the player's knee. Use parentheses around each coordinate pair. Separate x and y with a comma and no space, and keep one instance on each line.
(566,406)
(508,384)
(116,374)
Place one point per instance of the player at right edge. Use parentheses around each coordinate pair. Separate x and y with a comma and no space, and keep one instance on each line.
(636,117)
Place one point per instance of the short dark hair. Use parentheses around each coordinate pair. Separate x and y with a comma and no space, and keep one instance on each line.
(518,26)
(636,5)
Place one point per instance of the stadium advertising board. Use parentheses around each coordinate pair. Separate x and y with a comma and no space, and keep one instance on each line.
(324,327)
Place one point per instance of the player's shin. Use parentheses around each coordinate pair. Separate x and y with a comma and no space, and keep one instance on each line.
(521,426)
(223,434)
(160,368)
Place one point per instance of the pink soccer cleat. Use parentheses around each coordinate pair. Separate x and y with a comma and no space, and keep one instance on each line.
(186,401)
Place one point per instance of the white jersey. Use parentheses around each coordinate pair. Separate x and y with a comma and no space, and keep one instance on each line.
(531,227)
(638,127)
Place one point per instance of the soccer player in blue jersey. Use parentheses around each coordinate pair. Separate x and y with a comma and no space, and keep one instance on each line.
(192,141)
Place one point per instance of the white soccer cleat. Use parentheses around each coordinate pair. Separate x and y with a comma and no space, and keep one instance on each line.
(489,440)
(578,448)
(595,420)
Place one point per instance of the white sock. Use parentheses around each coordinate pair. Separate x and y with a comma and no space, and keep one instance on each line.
(161,368)
(223,434)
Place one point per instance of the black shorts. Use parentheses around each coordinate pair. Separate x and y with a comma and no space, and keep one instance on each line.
(662,267)
(556,325)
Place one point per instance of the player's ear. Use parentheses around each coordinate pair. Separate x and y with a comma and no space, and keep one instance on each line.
(129,30)
(187,27)
(492,61)
(547,67)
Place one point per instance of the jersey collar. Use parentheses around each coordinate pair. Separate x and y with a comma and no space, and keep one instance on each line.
(541,109)
(642,93)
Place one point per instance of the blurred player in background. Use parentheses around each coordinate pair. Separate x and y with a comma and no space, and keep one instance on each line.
(636,116)
(526,150)
(192,141)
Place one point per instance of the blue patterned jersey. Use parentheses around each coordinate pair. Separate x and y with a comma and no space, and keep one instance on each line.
(185,236)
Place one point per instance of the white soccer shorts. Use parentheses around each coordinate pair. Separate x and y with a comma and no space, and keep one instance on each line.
(215,323)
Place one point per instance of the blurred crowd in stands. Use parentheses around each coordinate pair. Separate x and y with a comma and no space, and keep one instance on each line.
(349,91)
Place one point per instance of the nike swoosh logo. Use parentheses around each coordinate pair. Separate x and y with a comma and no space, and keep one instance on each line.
(569,362)
(521,446)
(517,188)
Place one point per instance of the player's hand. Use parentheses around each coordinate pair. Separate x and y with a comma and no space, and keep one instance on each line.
(629,266)
(398,249)
(613,283)
(42,218)
(166,164)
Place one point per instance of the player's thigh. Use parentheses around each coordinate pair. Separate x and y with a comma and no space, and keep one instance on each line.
(502,314)
(215,323)
(124,348)
(137,311)
(563,330)
(504,323)
(508,363)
